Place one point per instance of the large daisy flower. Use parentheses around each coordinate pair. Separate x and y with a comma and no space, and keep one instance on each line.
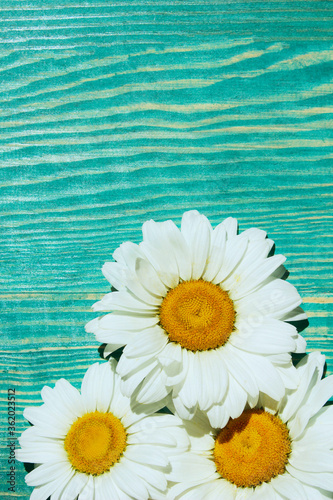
(276,451)
(95,445)
(204,317)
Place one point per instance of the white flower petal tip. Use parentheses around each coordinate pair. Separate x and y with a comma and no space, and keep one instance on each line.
(201,312)
(277,450)
(131,446)
(92,326)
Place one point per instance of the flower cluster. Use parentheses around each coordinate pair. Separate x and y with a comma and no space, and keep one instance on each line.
(206,322)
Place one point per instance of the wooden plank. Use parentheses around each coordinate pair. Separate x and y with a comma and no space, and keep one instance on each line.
(113,113)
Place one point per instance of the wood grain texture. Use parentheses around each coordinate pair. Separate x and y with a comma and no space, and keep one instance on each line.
(112,113)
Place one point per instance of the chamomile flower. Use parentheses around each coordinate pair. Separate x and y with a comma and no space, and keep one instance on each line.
(203,315)
(95,445)
(276,451)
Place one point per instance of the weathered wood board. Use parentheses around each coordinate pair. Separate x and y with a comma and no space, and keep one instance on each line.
(116,112)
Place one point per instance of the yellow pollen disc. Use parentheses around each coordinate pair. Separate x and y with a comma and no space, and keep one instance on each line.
(252,449)
(198,315)
(95,442)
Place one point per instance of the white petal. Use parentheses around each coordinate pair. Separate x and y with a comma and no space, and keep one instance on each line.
(88,491)
(235,399)
(199,432)
(200,248)
(217,365)
(128,482)
(152,423)
(149,278)
(119,404)
(74,487)
(288,374)
(128,366)
(171,239)
(234,252)
(274,300)
(130,383)
(177,372)
(153,387)
(171,355)
(321,480)
(91,382)
(288,487)
(216,254)
(48,424)
(245,283)
(38,449)
(311,459)
(221,489)
(256,253)
(198,492)
(123,301)
(116,339)
(137,412)
(214,379)
(104,488)
(196,230)
(317,493)
(317,398)
(178,490)
(239,370)
(218,416)
(115,274)
(161,439)
(265,374)
(63,400)
(296,314)
(165,266)
(126,321)
(158,248)
(50,486)
(319,431)
(262,492)
(309,369)
(50,472)
(126,254)
(318,437)
(231,226)
(323,418)
(191,467)
(146,454)
(180,408)
(156,493)
(189,390)
(149,341)
(268,337)
(300,343)
(104,390)
(150,475)
(255,234)
(258,249)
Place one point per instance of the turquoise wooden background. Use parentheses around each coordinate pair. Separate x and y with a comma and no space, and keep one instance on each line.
(116,112)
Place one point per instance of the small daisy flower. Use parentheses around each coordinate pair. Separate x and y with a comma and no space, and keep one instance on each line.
(95,445)
(276,451)
(203,315)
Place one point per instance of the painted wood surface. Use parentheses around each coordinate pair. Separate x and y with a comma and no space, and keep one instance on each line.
(116,112)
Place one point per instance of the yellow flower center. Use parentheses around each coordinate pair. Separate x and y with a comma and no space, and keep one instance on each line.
(198,315)
(252,449)
(95,442)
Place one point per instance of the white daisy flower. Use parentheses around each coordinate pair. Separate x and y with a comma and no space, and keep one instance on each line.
(95,445)
(277,451)
(203,315)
